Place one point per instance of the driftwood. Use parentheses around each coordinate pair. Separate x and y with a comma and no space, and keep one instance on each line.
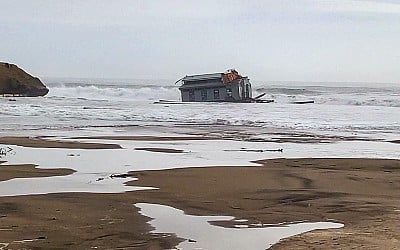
(303,102)
(254,150)
(120,175)
(5,151)
(250,100)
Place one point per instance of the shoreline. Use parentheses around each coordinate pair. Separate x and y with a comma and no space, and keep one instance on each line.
(360,193)
(44,142)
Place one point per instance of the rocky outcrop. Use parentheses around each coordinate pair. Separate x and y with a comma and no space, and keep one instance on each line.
(15,81)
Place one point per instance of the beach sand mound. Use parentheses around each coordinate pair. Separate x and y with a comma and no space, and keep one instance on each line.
(15,81)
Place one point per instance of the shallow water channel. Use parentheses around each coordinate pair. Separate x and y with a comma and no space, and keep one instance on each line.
(200,234)
(94,167)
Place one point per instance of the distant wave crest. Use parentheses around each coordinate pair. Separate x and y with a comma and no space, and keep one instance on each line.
(98,92)
(284,95)
(364,101)
(335,96)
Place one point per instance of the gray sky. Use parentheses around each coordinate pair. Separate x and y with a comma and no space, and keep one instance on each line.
(303,40)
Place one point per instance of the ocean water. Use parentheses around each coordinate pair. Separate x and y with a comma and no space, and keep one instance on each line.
(105,106)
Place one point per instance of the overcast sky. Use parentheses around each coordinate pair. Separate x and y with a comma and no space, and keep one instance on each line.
(301,40)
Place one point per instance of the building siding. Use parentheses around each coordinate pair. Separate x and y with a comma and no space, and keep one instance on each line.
(210,93)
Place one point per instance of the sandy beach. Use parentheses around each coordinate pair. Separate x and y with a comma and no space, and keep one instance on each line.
(360,193)
(200,125)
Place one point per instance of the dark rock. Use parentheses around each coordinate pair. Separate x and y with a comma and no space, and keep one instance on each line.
(120,175)
(16,82)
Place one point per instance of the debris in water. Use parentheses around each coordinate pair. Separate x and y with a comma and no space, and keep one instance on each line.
(254,150)
(120,175)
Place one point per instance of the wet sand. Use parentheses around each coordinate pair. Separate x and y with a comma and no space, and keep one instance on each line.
(236,135)
(8,172)
(39,142)
(361,193)
(147,138)
(76,221)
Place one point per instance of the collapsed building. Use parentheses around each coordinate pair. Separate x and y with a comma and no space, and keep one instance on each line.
(229,86)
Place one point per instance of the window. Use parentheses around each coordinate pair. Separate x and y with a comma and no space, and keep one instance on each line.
(247,91)
(203,94)
(216,94)
(191,95)
(229,92)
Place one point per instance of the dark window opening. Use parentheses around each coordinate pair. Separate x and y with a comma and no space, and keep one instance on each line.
(203,94)
(216,93)
(191,95)
(247,91)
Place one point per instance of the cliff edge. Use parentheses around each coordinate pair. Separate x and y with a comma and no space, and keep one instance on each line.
(15,81)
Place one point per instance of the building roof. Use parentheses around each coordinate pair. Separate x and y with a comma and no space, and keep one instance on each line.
(202,77)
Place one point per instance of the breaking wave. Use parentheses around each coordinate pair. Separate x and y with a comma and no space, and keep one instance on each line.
(353,96)
(382,101)
(123,93)
(151,91)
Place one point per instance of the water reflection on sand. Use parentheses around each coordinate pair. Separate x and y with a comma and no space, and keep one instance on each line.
(200,234)
(95,166)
